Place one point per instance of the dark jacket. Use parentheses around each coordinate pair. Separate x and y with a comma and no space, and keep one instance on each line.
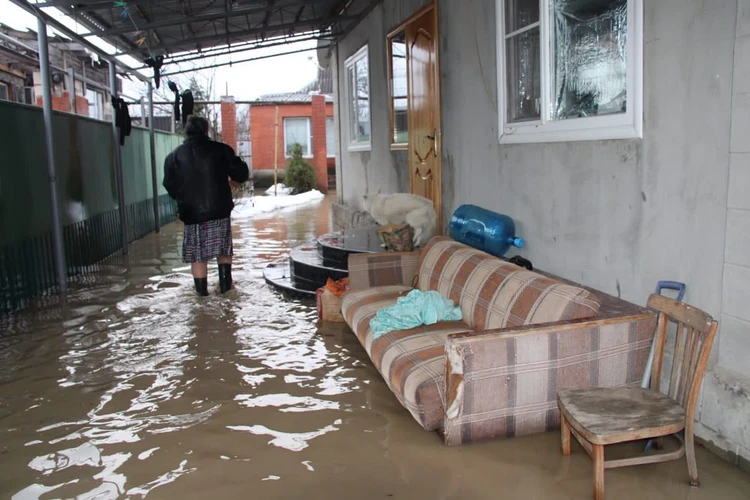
(196,175)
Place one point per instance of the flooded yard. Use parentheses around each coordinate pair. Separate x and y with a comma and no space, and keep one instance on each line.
(141,388)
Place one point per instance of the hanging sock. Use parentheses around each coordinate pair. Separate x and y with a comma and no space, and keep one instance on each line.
(188,105)
(156,63)
(122,118)
(173,87)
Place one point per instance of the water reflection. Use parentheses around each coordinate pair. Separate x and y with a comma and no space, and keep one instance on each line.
(107,401)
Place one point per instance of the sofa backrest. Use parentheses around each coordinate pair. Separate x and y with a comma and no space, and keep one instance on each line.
(493,293)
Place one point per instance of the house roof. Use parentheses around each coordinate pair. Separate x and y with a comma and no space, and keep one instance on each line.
(323,84)
(289,98)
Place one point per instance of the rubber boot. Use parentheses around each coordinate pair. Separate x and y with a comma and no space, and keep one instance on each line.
(201,286)
(225,277)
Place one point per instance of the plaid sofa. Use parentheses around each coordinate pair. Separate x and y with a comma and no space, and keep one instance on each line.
(524,335)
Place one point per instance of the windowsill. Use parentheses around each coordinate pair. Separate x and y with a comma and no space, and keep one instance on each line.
(399,147)
(356,148)
(601,128)
(304,157)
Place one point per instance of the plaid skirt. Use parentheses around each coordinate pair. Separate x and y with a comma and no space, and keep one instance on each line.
(206,241)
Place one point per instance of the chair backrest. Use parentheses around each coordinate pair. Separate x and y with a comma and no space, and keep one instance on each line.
(693,340)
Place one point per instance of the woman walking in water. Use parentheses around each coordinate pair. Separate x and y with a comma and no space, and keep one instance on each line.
(197,176)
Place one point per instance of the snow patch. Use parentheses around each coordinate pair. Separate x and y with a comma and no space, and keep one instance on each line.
(265,204)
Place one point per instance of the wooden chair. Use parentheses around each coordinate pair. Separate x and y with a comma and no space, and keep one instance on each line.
(601,416)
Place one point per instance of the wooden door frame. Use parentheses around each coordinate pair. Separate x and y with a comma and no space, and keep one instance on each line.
(430,6)
(391,111)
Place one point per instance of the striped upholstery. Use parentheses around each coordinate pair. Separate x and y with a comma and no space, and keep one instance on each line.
(412,362)
(509,383)
(382,269)
(493,293)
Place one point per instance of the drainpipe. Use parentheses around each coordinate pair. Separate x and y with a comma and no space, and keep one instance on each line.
(152,140)
(340,149)
(57,232)
(118,164)
(71,88)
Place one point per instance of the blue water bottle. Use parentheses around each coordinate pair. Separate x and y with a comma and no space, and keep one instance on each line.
(485,230)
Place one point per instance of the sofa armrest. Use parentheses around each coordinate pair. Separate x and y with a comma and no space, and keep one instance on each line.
(367,270)
(504,383)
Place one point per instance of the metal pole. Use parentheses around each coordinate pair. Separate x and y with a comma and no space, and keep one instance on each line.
(57,233)
(72,91)
(152,138)
(118,164)
(276,155)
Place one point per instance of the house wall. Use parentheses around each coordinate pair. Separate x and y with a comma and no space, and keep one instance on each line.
(14,79)
(617,215)
(263,133)
(727,387)
(379,168)
(62,103)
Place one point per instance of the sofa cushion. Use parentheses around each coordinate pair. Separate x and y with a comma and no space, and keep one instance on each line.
(412,362)
(493,293)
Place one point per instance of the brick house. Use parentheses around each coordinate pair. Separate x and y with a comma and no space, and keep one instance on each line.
(303,118)
(80,84)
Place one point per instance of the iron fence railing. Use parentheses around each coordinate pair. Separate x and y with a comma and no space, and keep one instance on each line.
(91,217)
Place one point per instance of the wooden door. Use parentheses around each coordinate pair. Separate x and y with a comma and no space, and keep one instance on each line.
(424,108)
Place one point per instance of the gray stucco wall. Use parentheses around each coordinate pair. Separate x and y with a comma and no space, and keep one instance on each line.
(726,402)
(615,215)
(380,168)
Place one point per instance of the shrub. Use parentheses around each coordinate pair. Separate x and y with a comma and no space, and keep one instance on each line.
(299,174)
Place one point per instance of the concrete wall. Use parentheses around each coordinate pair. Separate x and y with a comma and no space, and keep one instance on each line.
(726,411)
(380,168)
(616,215)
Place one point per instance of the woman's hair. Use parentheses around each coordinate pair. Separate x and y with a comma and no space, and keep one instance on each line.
(196,126)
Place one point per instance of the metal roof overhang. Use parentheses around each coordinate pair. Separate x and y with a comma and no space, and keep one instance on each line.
(192,29)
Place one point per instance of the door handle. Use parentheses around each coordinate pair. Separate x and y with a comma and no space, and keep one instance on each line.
(433,138)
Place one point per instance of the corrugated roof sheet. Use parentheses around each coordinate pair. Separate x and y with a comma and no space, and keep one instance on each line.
(149,28)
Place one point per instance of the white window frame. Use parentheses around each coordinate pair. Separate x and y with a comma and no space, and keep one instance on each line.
(332,153)
(355,145)
(628,125)
(308,134)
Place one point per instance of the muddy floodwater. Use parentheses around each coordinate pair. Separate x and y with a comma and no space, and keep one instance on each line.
(139,388)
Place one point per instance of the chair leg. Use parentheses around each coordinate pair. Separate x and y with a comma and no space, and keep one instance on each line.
(690,456)
(598,457)
(564,436)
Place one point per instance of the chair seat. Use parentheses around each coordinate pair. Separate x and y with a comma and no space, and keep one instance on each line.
(606,416)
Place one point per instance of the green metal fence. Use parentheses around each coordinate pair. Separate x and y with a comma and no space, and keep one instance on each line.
(84,158)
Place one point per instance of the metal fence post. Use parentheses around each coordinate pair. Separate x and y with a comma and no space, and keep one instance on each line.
(152,139)
(57,232)
(72,91)
(118,164)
